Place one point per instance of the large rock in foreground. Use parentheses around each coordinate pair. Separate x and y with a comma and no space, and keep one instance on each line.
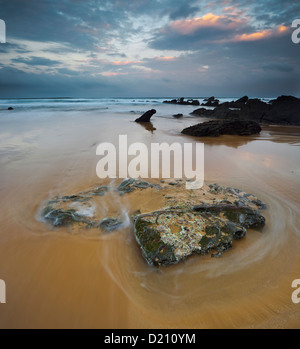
(170,228)
(216,128)
(185,227)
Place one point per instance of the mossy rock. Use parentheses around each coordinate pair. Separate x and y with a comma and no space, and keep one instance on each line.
(110,224)
(155,251)
(129,185)
(59,217)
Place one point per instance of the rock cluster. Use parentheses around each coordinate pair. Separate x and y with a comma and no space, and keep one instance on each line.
(284,110)
(181,101)
(184,223)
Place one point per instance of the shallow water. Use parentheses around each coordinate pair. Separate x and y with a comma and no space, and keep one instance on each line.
(56,278)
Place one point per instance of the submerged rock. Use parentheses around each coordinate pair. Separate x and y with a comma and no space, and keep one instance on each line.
(60,217)
(110,224)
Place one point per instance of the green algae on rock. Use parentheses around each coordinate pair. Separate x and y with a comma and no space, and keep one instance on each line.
(170,235)
(129,185)
(181,222)
(68,210)
(110,224)
(60,217)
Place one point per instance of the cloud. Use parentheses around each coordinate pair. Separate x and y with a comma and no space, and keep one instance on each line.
(189,34)
(280,67)
(151,47)
(37,61)
(183,11)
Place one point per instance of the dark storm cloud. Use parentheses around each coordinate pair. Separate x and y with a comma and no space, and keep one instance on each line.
(37,61)
(23,84)
(172,40)
(75,22)
(277,12)
(184,10)
(281,67)
(81,23)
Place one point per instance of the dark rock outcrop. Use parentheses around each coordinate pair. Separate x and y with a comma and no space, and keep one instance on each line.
(216,128)
(203,112)
(211,102)
(254,109)
(146,116)
(10,108)
(285,110)
(177,116)
(181,101)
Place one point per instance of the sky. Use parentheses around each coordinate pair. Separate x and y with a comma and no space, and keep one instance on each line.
(155,48)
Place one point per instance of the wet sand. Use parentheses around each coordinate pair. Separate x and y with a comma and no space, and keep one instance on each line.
(56,279)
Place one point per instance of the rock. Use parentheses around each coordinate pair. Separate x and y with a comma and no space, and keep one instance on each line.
(181,101)
(284,110)
(129,185)
(244,216)
(254,109)
(203,112)
(238,103)
(172,234)
(178,116)
(146,116)
(211,102)
(210,99)
(60,217)
(216,128)
(98,191)
(172,101)
(193,102)
(242,100)
(10,108)
(206,220)
(222,111)
(110,224)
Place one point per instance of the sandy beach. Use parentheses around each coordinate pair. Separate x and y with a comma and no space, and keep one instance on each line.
(58,279)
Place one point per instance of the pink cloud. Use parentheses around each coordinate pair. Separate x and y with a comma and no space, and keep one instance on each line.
(190,26)
(262,34)
(110,73)
(166,59)
(125,62)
